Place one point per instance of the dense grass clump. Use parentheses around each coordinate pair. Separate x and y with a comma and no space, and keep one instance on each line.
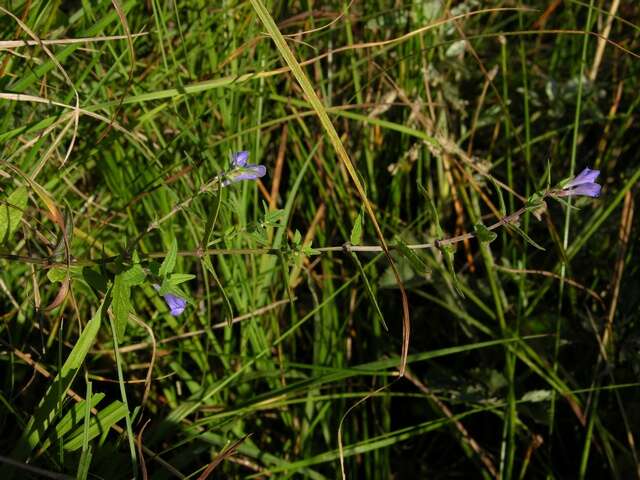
(319,240)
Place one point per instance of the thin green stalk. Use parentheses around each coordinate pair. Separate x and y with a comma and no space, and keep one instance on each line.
(123,394)
(567,222)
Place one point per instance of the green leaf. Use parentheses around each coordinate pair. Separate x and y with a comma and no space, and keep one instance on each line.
(356,231)
(211,220)
(447,254)
(11,213)
(102,422)
(206,261)
(178,278)
(297,238)
(417,262)
(134,276)
(432,210)
(49,406)
(274,218)
(367,285)
(537,396)
(308,250)
(57,274)
(85,456)
(484,234)
(95,279)
(70,420)
(528,239)
(121,304)
(169,261)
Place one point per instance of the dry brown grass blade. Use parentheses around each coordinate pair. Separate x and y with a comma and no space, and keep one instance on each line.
(225,453)
(11,44)
(351,408)
(123,19)
(62,294)
(542,20)
(52,57)
(545,273)
(196,333)
(152,362)
(602,41)
(323,27)
(466,437)
(277,172)
(143,465)
(318,106)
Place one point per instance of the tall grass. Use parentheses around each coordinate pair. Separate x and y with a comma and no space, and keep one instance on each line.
(404,294)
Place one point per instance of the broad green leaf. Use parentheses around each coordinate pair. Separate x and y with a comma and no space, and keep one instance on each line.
(59,274)
(49,406)
(134,276)
(178,278)
(356,231)
(121,304)
(11,213)
(484,234)
(102,422)
(169,261)
(95,279)
(71,420)
(167,286)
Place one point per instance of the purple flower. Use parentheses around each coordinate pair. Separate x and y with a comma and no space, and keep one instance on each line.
(239,159)
(176,304)
(582,184)
(243,170)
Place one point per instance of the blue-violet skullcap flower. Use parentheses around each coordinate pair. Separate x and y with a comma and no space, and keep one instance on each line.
(176,304)
(239,159)
(243,170)
(582,184)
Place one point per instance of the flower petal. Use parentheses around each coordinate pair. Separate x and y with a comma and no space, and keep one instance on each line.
(585,176)
(239,159)
(176,304)
(258,170)
(250,172)
(588,189)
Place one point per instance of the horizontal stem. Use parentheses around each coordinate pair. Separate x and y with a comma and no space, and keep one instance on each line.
(49,263)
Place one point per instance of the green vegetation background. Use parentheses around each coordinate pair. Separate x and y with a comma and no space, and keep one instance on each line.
(523,356)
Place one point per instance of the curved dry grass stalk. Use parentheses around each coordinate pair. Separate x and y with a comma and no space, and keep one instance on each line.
(545,273)
(76,109)
(21,97)
(323,27)
(10,44)
(152,362)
